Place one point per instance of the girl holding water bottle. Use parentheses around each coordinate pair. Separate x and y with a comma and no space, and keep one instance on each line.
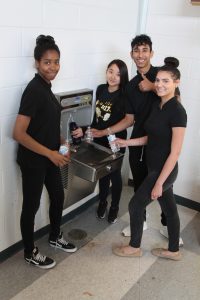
(110,109)
(37,131)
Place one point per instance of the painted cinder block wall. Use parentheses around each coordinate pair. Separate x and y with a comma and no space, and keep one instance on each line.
(90,34)
(174,26)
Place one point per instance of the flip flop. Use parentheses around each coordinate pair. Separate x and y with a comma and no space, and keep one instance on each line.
(159,252)
(119,252)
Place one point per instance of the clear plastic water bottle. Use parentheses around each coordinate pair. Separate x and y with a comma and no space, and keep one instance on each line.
(88,135)
(114,147)
(64,148)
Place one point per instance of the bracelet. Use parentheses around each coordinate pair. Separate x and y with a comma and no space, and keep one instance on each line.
(109,131)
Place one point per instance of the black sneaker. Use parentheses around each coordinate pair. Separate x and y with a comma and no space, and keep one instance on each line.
(112,215)
(39,260)
(61,244)
(101,210)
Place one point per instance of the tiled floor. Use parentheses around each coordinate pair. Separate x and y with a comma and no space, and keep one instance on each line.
(93,272)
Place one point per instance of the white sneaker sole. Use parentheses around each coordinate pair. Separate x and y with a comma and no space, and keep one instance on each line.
(113,222)
(127,231)
(101,218)
(164,233)
(41,267)
(65,250)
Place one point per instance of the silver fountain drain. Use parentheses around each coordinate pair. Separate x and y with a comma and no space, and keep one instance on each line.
(77,234)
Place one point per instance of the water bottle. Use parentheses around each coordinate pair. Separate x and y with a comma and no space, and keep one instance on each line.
(64,148)
(114,147)
(73,126)
(88,137)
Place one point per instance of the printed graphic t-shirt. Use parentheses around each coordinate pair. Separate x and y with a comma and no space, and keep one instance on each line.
(110,109)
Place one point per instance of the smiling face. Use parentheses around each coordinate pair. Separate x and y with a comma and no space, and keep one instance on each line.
(141,55)
(165,85)
(49,65)
(113,77)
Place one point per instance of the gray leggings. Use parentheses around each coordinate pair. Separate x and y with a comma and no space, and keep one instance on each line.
(142,198)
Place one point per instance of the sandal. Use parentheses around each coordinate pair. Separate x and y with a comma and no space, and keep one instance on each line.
(119,251)
(160,252)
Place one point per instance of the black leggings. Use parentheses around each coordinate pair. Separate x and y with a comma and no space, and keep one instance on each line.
(139,170)
(33,180)
(116,189)
(167,202)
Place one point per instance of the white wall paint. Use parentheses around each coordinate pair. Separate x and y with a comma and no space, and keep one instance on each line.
(174,26)
(89,33)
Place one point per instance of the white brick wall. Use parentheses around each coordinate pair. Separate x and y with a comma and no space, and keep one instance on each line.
(175,31)
(172,8)
(89,34)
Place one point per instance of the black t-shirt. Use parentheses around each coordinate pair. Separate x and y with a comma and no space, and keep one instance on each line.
(39,103)
(110,109)
(139,103)
(158,127)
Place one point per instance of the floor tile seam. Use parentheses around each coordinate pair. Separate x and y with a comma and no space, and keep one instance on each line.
(67,257)
(72,257)
(184,251)
(100,233)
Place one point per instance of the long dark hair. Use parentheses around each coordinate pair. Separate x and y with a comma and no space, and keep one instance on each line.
(44,43)
(123,70)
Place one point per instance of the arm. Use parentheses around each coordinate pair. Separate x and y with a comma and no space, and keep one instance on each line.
(21,136)
(126,122)
(176,145)
(132,142)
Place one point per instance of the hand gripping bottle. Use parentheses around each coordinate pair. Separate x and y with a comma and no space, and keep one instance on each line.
(73,126)
(65,148)
(114,147)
